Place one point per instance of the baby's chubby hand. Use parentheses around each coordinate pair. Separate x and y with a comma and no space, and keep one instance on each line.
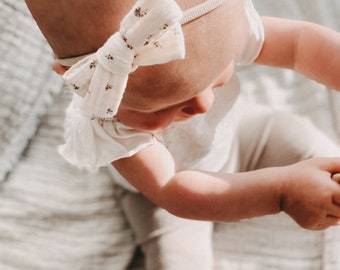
(310,195)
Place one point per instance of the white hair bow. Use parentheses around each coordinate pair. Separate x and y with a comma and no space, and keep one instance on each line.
(149,34)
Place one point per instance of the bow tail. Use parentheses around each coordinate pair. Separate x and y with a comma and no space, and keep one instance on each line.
(78,149)
(112,95)
(105,93)
(93,143)
(87,145)
(78,77)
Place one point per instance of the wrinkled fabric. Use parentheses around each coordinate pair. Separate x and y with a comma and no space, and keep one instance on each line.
(92,143)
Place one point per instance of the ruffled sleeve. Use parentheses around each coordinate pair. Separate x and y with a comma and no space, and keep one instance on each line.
(91,143)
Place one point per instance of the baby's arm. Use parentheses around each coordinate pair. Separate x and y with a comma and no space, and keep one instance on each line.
(308,48)
(305,190)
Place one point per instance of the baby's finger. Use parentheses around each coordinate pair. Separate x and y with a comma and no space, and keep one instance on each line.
(336,177)
(332,221)
(334,211)
(329,221)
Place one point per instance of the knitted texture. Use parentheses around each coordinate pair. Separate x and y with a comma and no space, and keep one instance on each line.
(27,81)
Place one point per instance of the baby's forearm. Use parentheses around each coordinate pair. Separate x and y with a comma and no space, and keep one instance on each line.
(223,197)
(305,191)
(199,194)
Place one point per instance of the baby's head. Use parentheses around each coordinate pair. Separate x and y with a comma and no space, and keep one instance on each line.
(155,95)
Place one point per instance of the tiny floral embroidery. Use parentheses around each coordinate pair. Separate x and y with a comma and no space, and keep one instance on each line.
(127,44)
(109,57)
(75,87)
(109,111)
(157,44)
(108,87)
(140,13)
(93,64)
(147,40)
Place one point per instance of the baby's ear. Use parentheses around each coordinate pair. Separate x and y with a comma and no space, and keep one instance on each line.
(59,68)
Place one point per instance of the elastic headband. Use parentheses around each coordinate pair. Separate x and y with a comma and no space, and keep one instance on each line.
(200,10)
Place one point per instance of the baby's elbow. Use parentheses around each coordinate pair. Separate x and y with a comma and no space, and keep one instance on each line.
(180,198)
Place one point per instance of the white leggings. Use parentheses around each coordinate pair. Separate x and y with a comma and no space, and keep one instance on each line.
(266,139)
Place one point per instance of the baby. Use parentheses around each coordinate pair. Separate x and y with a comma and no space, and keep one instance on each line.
(154,69)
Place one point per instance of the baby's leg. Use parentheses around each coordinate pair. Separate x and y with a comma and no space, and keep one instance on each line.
(270,138)
(168,242)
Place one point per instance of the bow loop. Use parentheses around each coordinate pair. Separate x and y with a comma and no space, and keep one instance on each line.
(119,60)
(79,78)
(148,21)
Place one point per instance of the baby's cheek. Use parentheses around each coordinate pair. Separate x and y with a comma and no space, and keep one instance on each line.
(225,76)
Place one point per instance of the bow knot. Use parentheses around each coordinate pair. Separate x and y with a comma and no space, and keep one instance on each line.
(149,34)
(119,60)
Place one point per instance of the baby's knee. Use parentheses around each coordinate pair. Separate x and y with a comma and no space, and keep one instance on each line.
(186,247)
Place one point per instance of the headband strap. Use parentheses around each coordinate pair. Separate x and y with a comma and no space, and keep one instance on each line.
(200,10)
